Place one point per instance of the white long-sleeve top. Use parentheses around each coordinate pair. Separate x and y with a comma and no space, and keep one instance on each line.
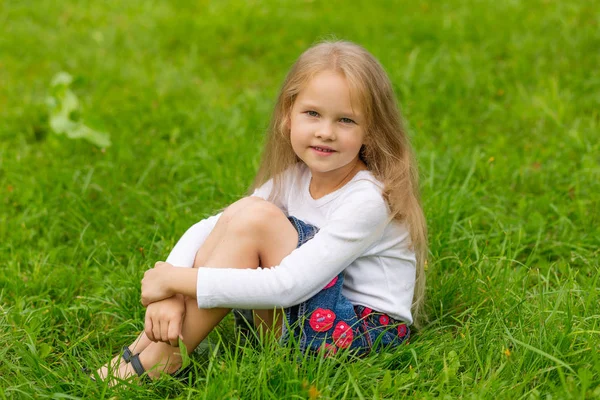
(355,236)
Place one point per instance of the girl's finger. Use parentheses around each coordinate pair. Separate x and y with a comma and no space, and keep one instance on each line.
(156,330)
(164,331)
(148,328)
(174,331)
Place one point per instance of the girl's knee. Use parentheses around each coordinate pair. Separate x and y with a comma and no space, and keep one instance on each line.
(238,206)
(257,217)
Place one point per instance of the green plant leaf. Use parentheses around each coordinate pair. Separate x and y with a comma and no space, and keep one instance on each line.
(63,105)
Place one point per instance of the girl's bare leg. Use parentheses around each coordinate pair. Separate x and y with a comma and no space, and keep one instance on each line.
(251,232)
(142,341)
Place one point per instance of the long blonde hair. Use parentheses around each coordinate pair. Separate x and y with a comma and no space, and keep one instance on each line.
(386,151)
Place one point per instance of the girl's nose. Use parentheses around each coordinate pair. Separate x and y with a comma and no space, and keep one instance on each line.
(325,131)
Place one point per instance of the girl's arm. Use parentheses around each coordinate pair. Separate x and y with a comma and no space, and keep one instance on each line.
(164,281)
(352,228)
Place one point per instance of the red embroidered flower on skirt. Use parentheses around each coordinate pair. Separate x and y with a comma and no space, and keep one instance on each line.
(327,350)
(402,330)
(365,313)
(342,335)
(321,319)
(384,320)
(330,284)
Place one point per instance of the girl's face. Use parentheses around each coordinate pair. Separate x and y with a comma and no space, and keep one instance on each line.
(326,131)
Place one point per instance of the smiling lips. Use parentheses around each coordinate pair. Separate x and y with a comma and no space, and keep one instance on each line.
(323,149)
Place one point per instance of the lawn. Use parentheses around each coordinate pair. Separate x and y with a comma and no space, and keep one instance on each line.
(502,102)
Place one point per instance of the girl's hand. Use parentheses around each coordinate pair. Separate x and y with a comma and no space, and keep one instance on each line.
(155,283)
(164,319)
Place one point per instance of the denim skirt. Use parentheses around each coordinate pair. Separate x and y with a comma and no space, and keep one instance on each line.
(327,322)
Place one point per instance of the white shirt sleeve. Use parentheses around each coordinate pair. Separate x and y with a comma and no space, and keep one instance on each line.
(353,227)
(264,191)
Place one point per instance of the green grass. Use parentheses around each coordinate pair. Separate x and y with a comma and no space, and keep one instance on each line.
(502,103)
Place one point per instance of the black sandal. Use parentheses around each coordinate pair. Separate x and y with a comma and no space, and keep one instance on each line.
(139,368)
(127,356)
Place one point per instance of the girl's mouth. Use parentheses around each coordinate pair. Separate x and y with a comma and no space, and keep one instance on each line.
(322,151)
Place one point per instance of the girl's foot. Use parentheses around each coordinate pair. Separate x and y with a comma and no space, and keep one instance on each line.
(156,359)
(113,365)
(120,360)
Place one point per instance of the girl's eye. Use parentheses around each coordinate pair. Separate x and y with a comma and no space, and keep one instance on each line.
(347,121)
(312,113)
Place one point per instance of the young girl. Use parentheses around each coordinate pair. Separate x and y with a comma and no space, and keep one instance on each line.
(330,244)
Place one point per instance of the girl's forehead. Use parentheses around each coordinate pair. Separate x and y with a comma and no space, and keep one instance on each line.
(329,88)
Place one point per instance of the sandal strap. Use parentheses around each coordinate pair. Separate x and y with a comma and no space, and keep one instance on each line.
(137,365)
(127,354)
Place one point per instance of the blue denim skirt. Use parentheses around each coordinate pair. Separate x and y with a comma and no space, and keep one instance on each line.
(327,322)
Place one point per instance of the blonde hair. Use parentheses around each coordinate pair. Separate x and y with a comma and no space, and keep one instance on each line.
(386,150)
